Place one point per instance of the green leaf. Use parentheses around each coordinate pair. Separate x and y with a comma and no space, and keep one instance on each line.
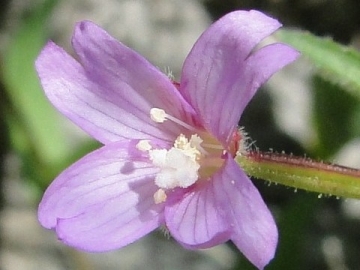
(336,63)
(34,112)
(333,115)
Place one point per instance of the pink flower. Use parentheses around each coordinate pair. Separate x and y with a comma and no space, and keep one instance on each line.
(168,154)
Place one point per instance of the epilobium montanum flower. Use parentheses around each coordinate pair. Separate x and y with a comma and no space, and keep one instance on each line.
(169,148)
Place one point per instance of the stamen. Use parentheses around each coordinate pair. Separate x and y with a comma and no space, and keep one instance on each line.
(193,156)
(159,116)
(144,145)
(196,142)
(181,123)
(213,146)
(160,196)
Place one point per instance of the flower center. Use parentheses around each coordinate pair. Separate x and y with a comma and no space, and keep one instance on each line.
(195,155)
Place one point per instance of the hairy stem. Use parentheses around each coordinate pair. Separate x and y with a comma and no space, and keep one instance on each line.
(302,173)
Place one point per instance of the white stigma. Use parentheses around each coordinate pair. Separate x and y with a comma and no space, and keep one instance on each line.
(179,165)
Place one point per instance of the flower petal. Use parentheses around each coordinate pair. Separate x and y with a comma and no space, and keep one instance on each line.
(262,64)
(128,79)
(193,219)
(254,231)
(104,201)
(72,93)
(115,104)
(213,73)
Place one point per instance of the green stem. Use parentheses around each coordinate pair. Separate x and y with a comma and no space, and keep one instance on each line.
(302,173)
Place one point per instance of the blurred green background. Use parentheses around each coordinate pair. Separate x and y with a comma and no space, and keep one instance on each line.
(310,108)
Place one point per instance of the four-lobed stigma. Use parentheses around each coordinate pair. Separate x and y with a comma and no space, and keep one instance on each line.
(193,157)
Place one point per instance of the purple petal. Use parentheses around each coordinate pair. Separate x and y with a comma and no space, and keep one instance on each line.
(262,64)
(254,231)
(193,219)
(129,80)
(71,92)
(115,104)
(104,201)
(213,74)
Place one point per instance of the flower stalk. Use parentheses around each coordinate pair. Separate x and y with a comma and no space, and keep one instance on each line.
(302,172)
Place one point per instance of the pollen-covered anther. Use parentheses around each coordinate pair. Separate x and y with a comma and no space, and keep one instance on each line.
(160,196)
(157,115)
(196,142)
(143,145)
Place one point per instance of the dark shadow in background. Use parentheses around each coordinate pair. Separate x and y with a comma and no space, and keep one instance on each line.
(4,147)
(4,140)
(339,19)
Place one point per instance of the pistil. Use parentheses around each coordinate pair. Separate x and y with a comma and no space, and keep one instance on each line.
(197,155)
